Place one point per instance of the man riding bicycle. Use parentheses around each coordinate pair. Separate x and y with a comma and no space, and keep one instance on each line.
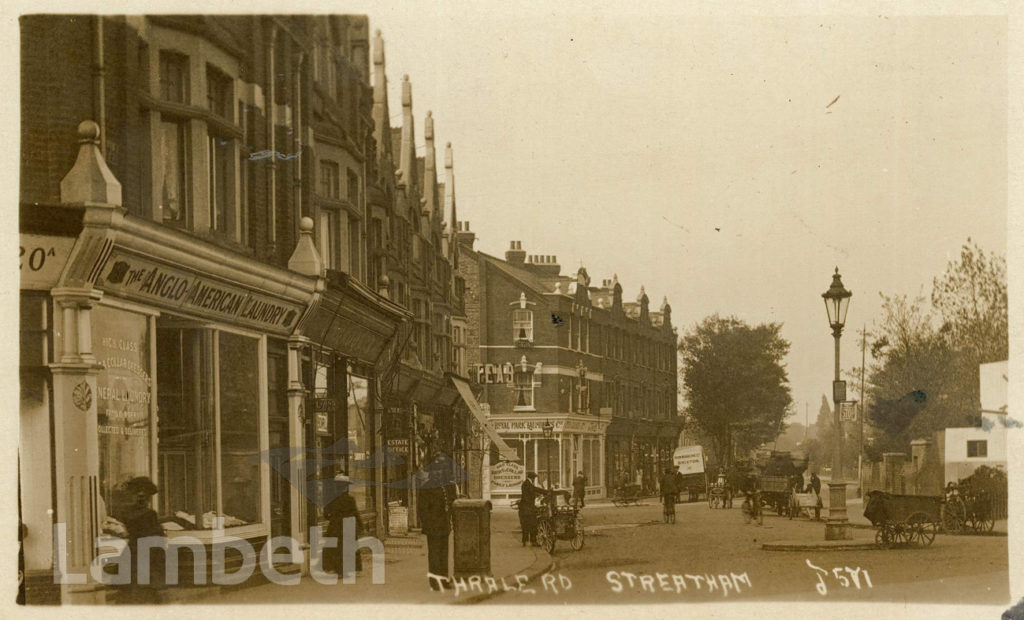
(669,493)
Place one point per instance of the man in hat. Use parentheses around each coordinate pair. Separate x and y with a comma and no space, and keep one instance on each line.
(528,510)
(436,494)
(341,506)
(579,489)
(130,504)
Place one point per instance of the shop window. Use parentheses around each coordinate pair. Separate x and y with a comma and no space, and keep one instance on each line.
(977,449)
(174,197)
(548,462)
(208,426)
(522,325)
(357,463)
(174,77)
(121,343)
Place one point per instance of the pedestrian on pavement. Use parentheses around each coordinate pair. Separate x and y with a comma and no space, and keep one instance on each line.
(130,505)
(436,495)
(528,510)
(815,485)
(669,493)
(341,506)
(579,489)
(678,475)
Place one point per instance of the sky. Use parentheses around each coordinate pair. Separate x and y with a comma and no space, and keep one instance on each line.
(698,155)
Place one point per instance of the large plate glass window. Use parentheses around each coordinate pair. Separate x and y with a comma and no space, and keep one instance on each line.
(208,426)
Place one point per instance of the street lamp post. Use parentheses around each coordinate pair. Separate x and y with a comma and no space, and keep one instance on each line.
(837,302)
(548,429)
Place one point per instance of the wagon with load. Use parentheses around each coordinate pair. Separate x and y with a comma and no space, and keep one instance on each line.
(903,519)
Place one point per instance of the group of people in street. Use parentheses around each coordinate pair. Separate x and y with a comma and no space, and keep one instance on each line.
(530,492)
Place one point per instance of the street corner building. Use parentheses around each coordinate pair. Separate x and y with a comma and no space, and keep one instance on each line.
(573,378)
(237,280)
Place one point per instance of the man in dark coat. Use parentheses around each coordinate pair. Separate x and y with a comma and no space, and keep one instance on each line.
(579,489)
(669,494)
(342,506)
(436,494)
(528,510)
(130,504)
(815,486)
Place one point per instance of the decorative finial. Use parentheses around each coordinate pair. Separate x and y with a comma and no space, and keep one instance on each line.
(88,131)
(377,32)
(430,113)
(306,226)
(405,78)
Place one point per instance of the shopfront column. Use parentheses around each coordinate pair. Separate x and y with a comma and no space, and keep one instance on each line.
(297,433)
(76,443)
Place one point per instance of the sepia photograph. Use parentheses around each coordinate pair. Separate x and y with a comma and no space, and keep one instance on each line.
(716,314)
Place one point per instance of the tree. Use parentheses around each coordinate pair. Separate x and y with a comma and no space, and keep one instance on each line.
(735,382)
(926,379)
(971,298)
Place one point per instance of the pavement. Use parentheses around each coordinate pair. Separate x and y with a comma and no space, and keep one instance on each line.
(513,567)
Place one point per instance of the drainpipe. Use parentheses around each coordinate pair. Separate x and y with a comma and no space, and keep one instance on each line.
(99,113)
(297,128)
(271,114)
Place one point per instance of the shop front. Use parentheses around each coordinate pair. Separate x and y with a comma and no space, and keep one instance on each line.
(349,352)
(164,356)
(576,444)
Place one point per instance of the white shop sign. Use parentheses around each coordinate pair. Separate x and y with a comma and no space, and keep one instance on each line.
(41,259)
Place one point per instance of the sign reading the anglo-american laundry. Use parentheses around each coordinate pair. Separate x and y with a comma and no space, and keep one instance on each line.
(178,289)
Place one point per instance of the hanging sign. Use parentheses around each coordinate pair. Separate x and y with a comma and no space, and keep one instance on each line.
(322,423)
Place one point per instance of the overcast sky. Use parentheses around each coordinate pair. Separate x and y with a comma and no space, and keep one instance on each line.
(699,156)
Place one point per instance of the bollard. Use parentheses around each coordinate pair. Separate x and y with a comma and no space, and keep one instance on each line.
(472,519)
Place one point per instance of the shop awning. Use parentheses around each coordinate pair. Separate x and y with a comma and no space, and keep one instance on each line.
(470,400)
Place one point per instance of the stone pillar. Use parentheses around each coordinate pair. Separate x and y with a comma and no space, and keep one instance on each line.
(76,444)
(297,445)
(837,527)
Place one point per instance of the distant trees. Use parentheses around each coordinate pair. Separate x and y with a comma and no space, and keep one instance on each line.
(925,375)
(735,382)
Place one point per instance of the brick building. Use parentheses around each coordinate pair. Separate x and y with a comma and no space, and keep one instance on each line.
(219,282)
(549,349)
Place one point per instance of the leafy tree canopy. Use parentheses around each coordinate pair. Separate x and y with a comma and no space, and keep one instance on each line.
(735,381)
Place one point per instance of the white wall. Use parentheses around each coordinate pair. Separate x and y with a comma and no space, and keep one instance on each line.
(958,464)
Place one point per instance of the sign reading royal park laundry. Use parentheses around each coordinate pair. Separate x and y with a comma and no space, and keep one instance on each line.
(178,289)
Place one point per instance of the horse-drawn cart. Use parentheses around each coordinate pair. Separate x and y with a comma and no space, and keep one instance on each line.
(903,519)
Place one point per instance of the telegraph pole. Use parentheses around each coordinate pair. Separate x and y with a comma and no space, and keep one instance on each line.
(860,455)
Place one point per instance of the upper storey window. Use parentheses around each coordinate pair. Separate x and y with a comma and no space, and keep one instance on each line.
(522,321)
(174,77)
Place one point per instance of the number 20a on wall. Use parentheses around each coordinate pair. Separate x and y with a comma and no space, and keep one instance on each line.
(41,259)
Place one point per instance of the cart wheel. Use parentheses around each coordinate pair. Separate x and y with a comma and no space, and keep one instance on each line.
(896,534)
(545,537)
(577,539)
(920,530)
(983,525)
(952,519)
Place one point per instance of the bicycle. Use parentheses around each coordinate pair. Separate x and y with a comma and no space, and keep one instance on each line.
(752,508)
(669,500)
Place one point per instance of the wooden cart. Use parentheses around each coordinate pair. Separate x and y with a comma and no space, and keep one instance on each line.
(903,519)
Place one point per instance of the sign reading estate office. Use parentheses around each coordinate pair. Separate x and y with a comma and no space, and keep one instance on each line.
(178,289)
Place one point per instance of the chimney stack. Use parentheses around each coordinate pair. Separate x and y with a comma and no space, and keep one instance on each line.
(515,254)
(464,236)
